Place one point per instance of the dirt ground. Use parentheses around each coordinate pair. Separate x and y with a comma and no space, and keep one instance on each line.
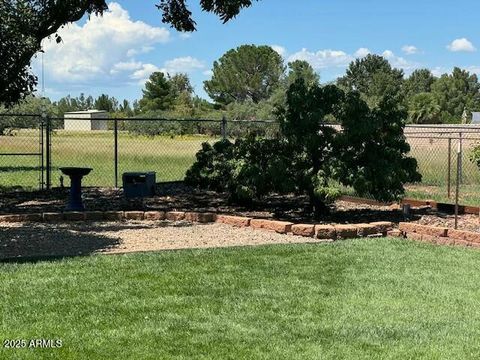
(37,240)
(179,197)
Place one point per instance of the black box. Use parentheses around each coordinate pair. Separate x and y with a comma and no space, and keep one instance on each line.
(138,184)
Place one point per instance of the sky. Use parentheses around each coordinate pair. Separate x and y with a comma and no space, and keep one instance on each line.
(116,53)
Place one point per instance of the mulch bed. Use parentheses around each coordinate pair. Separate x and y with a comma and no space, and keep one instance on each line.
(177,196)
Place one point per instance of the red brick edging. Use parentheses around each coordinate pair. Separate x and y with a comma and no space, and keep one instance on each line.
(325,232)
(438,235)
(413,231)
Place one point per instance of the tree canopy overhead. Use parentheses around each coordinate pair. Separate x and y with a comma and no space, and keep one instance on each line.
(24,24)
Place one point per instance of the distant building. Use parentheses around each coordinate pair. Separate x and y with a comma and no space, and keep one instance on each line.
(475,117)
(94,120)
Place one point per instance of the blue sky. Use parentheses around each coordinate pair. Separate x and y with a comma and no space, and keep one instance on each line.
(116,53)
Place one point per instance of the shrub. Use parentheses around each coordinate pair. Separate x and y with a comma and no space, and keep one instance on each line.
(475,156)
(247,169)
(369,154)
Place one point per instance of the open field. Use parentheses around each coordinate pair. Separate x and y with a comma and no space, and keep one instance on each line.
(359,299)
(171,157)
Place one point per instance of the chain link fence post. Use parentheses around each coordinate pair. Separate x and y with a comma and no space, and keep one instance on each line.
(115,156)
(460,154)
(48,151)
(449,167)
(457,189)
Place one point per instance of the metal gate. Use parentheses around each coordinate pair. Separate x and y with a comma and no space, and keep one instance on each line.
(24,152)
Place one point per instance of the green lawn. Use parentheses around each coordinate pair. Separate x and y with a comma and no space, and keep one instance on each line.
(359,299)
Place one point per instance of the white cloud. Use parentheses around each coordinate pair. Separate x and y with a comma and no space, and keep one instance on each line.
(399,62)
(474,69)
(144,72)
(125,66)
(323,58)
(280,50)
(410,49)
(362,52)
(208,73)
(462,44)
(185,64)
(440,70)
(102,49)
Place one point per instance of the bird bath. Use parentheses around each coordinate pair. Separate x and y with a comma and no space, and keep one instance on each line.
(75,174)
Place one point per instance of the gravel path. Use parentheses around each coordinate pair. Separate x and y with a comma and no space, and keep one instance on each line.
(74,239)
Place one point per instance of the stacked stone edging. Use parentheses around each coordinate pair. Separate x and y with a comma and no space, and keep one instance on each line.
(438,235)
(318,231)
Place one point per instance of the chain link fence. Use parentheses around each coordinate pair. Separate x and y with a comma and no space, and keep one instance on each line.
(444,156)
(109,146)
(168,147)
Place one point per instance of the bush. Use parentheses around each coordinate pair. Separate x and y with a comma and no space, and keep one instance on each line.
(475,156)
(247,169)
(369,154)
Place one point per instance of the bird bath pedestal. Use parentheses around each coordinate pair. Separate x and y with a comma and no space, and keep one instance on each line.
(75,174)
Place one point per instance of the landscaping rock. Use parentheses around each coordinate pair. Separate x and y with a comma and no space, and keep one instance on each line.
(394,233)
(383,226)
(238,221)
(364,230)
(325,232)
(203,218)
(32,217)
(303,230)
(414,236)
(175,215)
(93,215)
(407,227)
(10,218)
(134,215)
(445,241)
(52,216)
(346,231)
(281,227)
(154,215)
(113,215)
(74,216)
(431,230)
(464,235)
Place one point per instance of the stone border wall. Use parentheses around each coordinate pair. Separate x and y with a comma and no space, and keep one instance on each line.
(326,232)
(438,235)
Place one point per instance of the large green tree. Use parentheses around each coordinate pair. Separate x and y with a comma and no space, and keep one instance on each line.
(373,77)
(106,103)
(301,69)
(158,94)
(423,108)
(247,73)
(456,92)
(420,81)
(24,24)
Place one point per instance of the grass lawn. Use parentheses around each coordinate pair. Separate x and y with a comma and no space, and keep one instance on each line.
(359,299)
